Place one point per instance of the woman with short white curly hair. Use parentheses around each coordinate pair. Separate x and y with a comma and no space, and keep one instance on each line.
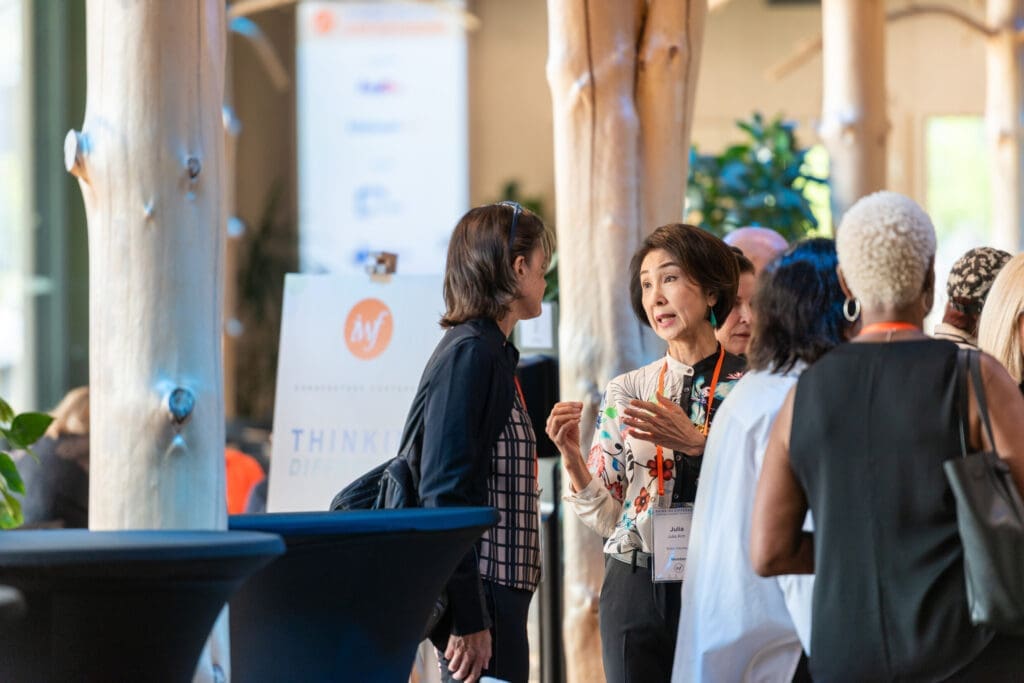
(886,248)
(860,442)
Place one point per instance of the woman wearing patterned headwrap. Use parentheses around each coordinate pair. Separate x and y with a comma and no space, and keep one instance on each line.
(968,285)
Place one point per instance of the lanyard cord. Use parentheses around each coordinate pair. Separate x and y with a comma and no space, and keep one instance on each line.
(659,452)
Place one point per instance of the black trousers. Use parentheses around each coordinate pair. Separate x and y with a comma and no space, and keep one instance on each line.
(1002,661)
(510,648)
(639,623)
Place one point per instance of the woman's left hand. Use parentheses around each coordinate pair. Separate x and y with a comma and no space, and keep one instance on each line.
(664,423)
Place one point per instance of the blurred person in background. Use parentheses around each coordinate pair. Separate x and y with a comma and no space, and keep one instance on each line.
(970,280)
(760,245)
(1002,322)
(734,334)
(57,484)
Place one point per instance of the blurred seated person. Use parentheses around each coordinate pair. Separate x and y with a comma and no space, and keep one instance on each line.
(970,280)
(257,500)
(57,479)
(242,473)
(760,245)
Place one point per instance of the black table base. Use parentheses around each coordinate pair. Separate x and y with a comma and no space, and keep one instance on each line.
(120,606)
(350,598)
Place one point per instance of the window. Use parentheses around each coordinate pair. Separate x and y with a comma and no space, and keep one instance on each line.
(16,369)
(958,193)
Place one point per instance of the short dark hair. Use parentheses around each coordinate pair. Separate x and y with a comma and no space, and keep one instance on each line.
(704,258)
(745,264)
(798,308)
(478,278)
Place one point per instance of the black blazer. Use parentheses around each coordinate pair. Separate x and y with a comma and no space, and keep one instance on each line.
(462,405)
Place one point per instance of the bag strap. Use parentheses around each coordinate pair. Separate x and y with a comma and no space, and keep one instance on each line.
(962,391)
(979,394)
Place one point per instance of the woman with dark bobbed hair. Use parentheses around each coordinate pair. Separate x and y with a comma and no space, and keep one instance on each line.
(732,619)
(650,436)
(475,440)
(860,441)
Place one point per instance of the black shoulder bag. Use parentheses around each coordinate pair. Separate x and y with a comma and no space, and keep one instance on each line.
(990,517)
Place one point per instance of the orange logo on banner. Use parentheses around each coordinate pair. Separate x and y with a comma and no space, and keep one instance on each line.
(323,21)
(368,328)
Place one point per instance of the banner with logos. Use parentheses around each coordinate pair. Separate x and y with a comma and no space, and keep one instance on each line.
(351,354)
(382,132)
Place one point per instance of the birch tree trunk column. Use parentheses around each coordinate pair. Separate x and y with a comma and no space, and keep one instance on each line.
(854,122)
(1004,68)
(150,161)
(621,121)
(665,93)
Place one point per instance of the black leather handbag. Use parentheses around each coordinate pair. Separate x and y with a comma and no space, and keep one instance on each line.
(990,517)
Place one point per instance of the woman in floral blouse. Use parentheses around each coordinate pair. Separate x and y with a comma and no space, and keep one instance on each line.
(683,283)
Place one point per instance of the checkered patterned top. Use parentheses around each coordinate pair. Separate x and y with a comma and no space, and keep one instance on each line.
(510,551)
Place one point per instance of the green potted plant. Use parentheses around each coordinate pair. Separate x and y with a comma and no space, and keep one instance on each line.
(20,431)
(762,180)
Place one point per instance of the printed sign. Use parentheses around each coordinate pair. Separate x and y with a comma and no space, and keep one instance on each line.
(382,132)
(352,351)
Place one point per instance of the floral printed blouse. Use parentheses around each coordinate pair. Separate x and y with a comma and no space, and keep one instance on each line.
(620,499)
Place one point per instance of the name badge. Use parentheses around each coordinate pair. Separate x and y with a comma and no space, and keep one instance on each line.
(671,538)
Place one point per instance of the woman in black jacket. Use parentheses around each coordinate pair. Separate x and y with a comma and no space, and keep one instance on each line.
(477,446)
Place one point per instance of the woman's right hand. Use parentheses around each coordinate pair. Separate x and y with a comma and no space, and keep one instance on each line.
(563,427)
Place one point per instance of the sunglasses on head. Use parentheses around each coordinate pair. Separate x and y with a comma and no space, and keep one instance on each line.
(516,210)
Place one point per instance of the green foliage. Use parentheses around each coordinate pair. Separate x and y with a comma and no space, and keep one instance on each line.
(511,193)
(760,181)
(20,432)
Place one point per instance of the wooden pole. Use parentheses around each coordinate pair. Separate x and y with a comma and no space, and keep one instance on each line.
(622,78)
(149,160)
(854,121)
(1003,61)
(150,163)
(668,64)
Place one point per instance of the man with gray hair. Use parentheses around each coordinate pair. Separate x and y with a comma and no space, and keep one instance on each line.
(970,278)
(760,245)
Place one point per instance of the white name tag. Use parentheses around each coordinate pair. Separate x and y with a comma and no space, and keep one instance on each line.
(671,538)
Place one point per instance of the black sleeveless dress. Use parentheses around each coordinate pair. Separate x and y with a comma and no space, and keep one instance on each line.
(872,425)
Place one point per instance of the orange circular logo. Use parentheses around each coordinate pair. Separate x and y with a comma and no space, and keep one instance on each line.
(323,21)
(368,328)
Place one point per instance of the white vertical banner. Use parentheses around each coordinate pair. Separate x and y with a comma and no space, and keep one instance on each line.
(382,132)
(351,355)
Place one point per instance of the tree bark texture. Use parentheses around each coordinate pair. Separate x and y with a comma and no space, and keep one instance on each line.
(1004,67)
(150,162)
(622,77)
(854,119)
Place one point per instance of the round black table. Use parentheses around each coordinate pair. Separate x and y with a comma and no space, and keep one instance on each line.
(350,598)
(120,605)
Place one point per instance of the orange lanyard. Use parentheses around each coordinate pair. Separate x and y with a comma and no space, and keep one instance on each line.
(522,399)
(659,452)
(888,327)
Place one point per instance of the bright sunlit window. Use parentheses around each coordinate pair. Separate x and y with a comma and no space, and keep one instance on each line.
(15,140)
